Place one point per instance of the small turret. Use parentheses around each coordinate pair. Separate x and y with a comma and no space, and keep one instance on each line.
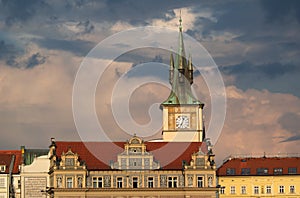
(171,74)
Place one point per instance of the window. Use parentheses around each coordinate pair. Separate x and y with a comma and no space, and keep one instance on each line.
(230,171)
(172,182)
(97,182)
(69,162)
(262,171)
(119,182)
(268,189)
(277,171)
(222,191)
(243,190)
(292,170)
(2,182)
(245,171)
(281,189)
(210,181)
(292,189)
(19,183)
(232,189)
(2,168)
(200,182)
(135,182)
(256,189)
(69,182)
(150,182)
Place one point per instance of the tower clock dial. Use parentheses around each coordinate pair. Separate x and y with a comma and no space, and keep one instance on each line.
(182,122)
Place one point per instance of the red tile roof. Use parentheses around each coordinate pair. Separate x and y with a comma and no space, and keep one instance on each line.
(6,158)
(98,155)
(269,163)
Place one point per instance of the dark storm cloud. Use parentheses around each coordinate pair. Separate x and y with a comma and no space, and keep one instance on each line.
(30,62)
(15,10)
(275,77)
(10,53)
(35,59)
(291,123)
(281,11)
(77,47)
(270,70)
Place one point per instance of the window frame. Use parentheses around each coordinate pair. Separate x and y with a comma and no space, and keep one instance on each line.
(97,180)
(292,170)
(232,190)
(262,171)
(281,189)
(135,182)
(119,182)
(243,190)
(278,171)
(268,189)
(230,171)
(69,182)
(200,181)
(245,171)
(292,189)
(150,182)
(256,190)
(172,182)
(2,168)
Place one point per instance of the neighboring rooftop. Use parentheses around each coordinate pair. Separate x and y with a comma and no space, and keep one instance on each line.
(275,165)
(7,157)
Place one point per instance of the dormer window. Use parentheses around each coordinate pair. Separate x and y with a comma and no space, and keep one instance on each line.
(2,168)
(69,161)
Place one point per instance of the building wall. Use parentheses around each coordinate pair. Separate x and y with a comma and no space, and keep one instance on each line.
(4,185)
(35,178)
(262,184)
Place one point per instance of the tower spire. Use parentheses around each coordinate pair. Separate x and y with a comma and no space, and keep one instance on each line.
(181,75)
(180,22)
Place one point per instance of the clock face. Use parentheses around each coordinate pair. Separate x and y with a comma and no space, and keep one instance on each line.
(182,122)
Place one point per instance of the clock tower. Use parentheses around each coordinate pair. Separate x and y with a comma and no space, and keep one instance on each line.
(182,111)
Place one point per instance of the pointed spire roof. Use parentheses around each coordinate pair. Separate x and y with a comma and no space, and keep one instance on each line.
(181,74)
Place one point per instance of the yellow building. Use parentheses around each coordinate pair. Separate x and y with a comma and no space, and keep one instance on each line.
(260,177)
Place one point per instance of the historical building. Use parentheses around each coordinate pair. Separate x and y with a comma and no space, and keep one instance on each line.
(181,165)
(141,169)
(9,173)
(260,177)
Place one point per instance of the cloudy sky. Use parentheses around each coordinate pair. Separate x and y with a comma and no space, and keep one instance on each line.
(254,43)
